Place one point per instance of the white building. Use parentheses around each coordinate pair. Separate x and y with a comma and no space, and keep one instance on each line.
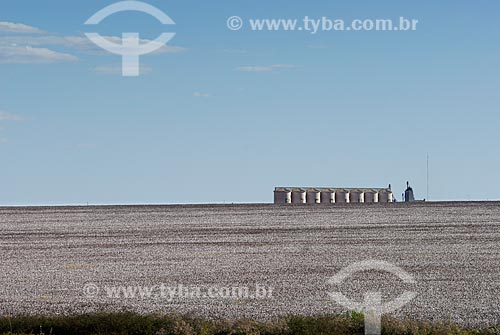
(331,195)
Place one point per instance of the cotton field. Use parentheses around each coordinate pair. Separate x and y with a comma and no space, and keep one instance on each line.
(169,258)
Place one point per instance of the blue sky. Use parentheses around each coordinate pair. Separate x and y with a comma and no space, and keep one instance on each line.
(340,109)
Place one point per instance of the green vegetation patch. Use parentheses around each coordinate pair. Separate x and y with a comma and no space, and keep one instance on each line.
(156,324)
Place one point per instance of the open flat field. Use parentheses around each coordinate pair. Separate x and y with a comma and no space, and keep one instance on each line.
(51,256)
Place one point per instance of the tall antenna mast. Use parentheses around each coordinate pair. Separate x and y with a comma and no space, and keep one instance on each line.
(427,177)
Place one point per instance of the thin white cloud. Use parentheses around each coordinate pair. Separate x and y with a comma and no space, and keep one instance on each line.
(201,95)
(118,70)
(18,28)
(16,54)
(39,47)
(4,116)
(3,140)
(267,68)
(77,43)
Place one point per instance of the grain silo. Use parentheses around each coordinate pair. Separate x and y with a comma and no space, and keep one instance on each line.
(341,196)
(355,196)
(385,196)
(370,196)
(327,196)
(282,195)
(298,196)
(312,196)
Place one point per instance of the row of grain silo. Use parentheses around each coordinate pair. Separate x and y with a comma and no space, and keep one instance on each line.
(329,195)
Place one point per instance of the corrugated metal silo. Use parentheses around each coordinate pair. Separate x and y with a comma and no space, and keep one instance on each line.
(282,196)
(385,196)
(370,196)
(298,196)
(327,196)
(340,196)
(355,196)
(312,196)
